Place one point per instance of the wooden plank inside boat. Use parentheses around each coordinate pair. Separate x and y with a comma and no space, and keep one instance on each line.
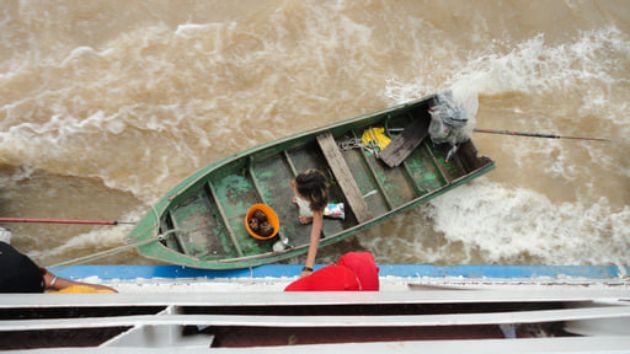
(170,241)
(368,186)
(344,176)
(403,145)
(183,242)
(198,231)
(396,186)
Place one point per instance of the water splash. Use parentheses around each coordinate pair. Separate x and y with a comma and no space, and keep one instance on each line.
(508,224)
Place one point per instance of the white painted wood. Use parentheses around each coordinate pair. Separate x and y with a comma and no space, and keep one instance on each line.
(147,336)
(563,345)
(132,331)
(159,337)
(600,327)
(609,312)
(313,298)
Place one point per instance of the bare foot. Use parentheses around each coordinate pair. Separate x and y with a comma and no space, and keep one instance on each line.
(305,220)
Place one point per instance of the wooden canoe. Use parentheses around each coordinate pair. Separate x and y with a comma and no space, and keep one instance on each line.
(200,222)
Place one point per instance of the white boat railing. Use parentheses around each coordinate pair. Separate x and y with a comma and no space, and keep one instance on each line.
(600,315)
(466,319)
(515,294)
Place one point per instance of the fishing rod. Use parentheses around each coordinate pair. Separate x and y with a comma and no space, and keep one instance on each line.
(63,221)
(536,135)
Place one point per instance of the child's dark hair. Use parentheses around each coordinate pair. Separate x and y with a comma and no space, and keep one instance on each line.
(312,185)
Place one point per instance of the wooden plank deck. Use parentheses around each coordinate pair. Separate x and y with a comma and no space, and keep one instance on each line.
(194,218)
(225,220)
(365,180)
(344,177)
(397,188)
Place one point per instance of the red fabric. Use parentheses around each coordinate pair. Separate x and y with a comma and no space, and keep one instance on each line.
(354,271)
(329,278)
(364,266)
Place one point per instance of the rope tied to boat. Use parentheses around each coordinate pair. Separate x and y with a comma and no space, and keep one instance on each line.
(110,252)
(538,135)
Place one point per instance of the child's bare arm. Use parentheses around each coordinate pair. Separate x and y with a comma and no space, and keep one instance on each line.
(316,230)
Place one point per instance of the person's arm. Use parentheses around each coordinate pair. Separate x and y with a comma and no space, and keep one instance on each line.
(53,282)
(316,230)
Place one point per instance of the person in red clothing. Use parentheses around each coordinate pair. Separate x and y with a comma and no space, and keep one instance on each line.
(355,271)
(364,266)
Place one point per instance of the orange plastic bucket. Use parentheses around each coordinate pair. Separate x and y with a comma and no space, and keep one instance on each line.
(272,218)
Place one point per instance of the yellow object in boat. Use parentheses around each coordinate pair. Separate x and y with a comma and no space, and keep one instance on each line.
(82,289)
(375,137)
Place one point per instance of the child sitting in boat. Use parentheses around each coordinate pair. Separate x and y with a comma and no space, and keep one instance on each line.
(310,190)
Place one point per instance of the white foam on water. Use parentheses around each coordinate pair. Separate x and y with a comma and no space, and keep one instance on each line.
(586,67)
(182,92)
(83,51)
(398,91)
(103,238)
(510,224)
(191,28)
(99,239)
(534,65)
(409,239)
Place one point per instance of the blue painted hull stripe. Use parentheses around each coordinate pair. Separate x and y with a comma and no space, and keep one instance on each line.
(126,272)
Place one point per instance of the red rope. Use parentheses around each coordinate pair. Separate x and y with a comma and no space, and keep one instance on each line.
(58,221)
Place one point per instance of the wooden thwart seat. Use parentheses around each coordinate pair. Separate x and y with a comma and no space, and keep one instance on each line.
(404,144)
(344,177)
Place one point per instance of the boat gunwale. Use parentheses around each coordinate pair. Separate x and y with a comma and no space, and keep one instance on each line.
(295,251)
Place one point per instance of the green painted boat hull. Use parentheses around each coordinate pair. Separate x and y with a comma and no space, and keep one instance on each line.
(200,222)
